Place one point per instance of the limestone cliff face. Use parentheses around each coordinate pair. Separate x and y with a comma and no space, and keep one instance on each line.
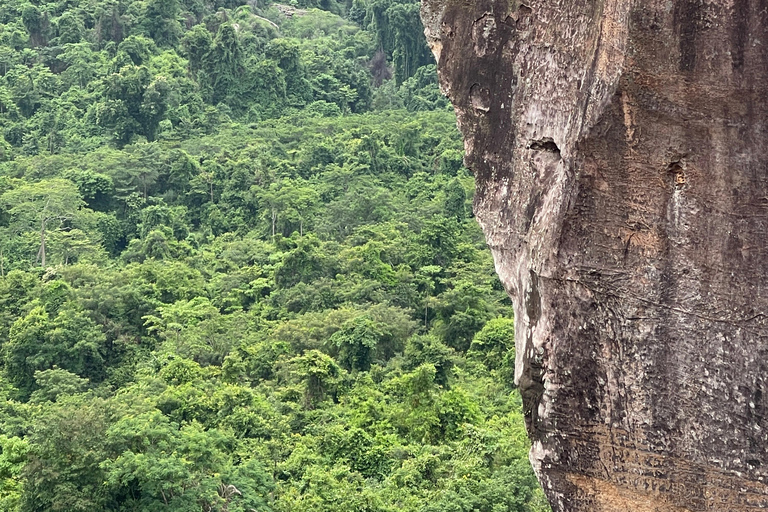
(621,154)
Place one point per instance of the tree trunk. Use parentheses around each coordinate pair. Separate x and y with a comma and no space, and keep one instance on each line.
(274,221)
(41,251)
(620,154)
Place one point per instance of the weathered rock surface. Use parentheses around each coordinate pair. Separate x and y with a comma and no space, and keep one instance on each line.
(621,155)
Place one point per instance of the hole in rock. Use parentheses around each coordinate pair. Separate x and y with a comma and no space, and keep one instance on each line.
(678,174)
(545,144)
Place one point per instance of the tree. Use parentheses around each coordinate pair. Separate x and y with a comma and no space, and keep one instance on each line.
(510,489)
(83,64)
(289,204)
(161,22)
(224,65)
(428,349)
(56,383)
(494,345)
(303,264)
(317,373)
(286,54)
(134,50)
(47,206)
(356,342)
(410,51)
(197,43)
(36,22)
(415,413)
(455,200)
(31,87)
(94,187)
(70,28)
(64,471)
(42,340)
(398,29)
(136,103)
(154,106)
(13,456)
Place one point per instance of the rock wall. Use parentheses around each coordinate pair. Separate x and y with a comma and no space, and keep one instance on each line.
(621,155)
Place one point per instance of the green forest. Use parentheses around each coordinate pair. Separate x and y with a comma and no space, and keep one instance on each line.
(239,270)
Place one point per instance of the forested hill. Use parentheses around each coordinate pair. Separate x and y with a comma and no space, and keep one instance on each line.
(238,268)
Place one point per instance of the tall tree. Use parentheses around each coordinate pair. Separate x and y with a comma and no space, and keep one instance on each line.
(49,205)
(225,63)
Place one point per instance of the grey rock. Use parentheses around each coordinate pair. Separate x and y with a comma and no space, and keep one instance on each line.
(620,150)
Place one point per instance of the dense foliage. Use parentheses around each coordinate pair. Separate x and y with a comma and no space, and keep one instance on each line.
(238,269)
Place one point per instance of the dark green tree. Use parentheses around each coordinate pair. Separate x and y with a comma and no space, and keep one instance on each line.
(41,340)
(224,66)
(161,22)
(63,471)
(135,103)
(197,43)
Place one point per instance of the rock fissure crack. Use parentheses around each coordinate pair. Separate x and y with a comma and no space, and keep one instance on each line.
(596,290)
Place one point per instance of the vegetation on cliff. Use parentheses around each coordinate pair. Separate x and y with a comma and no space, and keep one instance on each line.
(238,268)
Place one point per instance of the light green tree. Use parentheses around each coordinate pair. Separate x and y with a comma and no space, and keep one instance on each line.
(45,207)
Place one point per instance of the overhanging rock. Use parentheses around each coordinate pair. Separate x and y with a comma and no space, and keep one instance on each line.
(621,155)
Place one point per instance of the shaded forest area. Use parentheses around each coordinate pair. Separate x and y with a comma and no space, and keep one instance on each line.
(238,268)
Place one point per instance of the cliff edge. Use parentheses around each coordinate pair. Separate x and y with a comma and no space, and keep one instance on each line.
(621,155)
